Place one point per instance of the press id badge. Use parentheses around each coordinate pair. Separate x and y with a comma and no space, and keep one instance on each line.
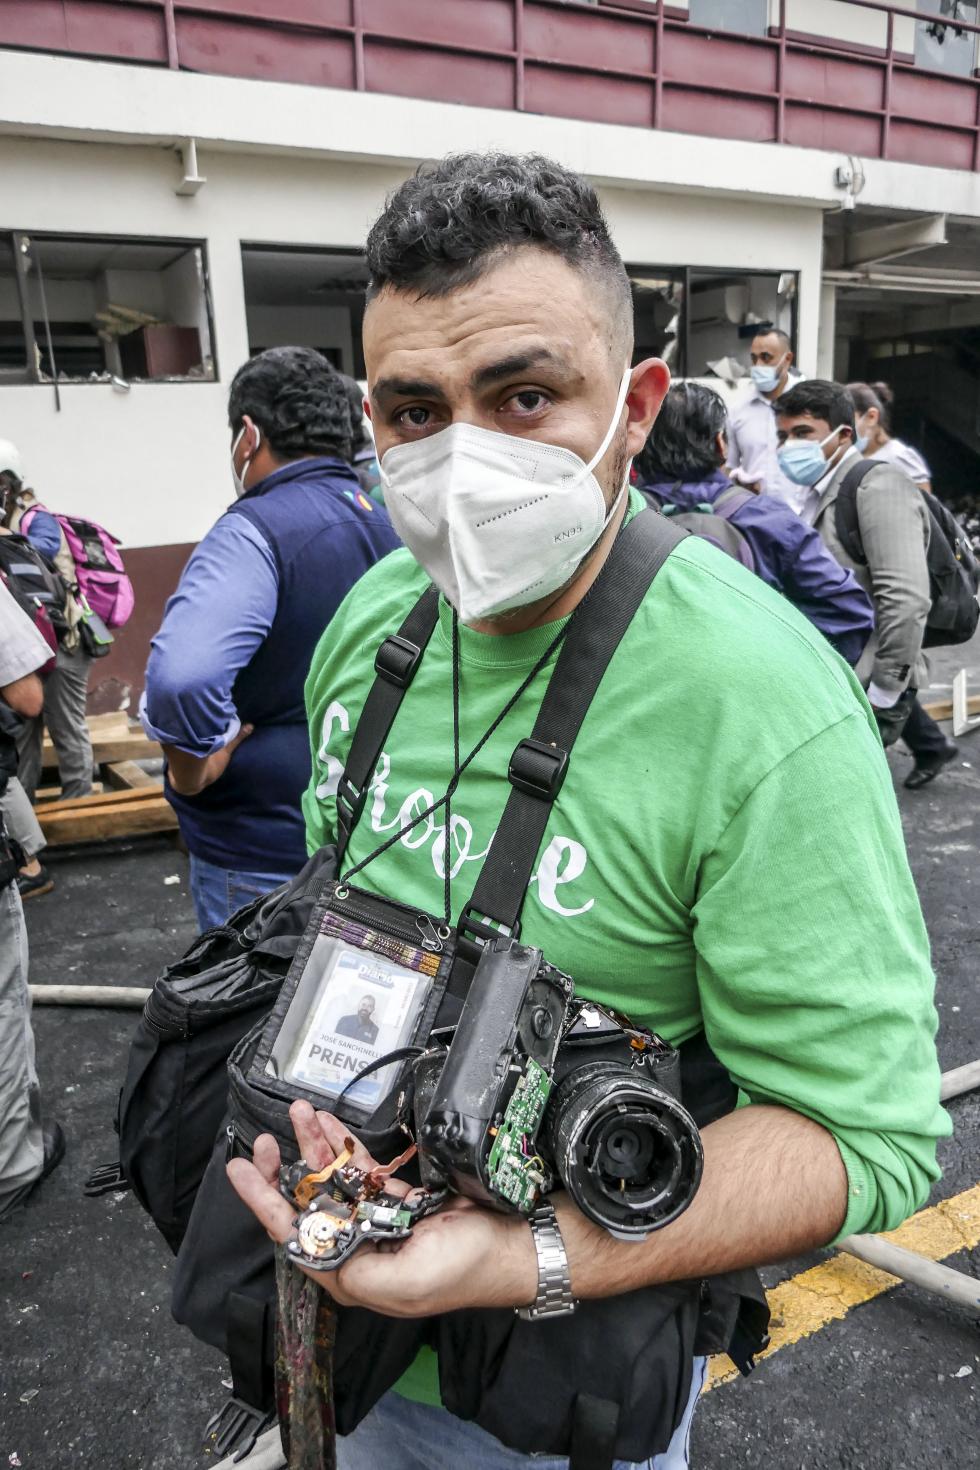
(365,984)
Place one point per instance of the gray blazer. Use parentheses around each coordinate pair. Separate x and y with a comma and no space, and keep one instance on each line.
(895,523)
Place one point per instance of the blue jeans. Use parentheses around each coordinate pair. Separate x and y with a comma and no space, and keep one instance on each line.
(402,1435)
(220,892)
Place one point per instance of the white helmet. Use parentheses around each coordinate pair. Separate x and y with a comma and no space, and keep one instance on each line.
(10,459)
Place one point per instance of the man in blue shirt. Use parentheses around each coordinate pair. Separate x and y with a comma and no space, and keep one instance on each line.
(224,684)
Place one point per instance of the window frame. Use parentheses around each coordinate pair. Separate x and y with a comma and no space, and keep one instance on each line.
(32,372)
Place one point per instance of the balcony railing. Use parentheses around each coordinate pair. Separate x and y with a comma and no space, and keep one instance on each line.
(631,61)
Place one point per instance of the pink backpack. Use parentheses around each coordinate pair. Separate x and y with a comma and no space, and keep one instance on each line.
(102,578)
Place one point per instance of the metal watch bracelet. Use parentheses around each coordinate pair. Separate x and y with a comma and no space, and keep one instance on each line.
(554,1298)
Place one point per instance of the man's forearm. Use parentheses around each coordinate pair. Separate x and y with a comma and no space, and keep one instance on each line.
(25,696)
(774,1185)
(188,774)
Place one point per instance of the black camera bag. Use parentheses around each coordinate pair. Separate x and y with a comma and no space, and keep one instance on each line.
(175,1092)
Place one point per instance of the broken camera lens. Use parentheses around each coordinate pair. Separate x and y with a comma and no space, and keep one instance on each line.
(627,1152)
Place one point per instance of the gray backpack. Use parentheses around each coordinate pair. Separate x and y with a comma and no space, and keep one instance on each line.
(711,521)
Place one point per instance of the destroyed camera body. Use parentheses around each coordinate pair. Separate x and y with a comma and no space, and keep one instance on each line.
(538,1087)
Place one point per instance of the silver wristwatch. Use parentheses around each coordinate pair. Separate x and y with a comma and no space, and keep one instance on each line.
(554,1298)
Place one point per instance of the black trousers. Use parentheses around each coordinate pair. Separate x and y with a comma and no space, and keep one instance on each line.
(921,733)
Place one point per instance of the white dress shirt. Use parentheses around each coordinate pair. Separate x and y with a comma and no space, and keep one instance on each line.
(752,446)
(904,457)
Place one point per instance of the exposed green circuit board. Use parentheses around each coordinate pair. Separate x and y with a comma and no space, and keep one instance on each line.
(516,1175)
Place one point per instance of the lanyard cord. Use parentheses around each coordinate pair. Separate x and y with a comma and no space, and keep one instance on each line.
(459,766)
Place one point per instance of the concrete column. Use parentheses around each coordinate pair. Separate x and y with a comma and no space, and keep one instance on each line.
(826,337)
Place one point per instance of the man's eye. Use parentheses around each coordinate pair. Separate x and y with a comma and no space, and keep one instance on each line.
(418,417)
(530,401)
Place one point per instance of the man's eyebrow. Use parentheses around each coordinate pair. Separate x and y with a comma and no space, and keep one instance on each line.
(406,388)
(518,362)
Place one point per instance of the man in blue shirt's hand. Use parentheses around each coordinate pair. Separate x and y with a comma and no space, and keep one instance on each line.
(224,684)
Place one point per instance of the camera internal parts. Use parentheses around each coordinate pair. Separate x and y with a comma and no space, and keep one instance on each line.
(343,1207)
(538,1085)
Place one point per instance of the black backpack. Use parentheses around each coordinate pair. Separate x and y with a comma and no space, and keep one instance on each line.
(954,572)
(35,583)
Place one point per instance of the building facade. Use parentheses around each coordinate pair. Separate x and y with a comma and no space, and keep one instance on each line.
(184,182)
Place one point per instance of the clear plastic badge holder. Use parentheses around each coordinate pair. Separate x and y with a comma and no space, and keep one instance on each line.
(365,984)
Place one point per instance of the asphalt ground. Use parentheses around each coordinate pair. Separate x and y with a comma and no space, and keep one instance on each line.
(94,1374)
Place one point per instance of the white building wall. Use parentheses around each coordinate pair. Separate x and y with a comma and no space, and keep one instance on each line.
(152,463)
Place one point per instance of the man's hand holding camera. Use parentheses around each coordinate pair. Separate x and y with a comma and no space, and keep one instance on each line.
(463,1256)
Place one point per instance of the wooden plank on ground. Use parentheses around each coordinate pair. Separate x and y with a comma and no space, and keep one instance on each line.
(103,798)
(942,709)
(131,745)
(126,775)
(108,819)
(116,722)
(53,793)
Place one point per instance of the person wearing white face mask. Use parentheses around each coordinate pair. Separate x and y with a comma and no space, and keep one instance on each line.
(752,458)
(724,798)
(224,684)
(817,450)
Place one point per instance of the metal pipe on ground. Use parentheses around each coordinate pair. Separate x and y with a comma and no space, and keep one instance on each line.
(941,1280)
(960,1080)
(121,997)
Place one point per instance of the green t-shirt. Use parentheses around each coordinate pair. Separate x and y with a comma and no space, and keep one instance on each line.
(725,852)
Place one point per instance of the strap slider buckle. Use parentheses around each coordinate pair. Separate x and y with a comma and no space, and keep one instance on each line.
(396,661)
(538,769)
(472,934)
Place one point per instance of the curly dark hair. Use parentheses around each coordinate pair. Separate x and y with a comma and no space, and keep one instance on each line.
(453,219)
(298,401)
(355,402)
(683,443)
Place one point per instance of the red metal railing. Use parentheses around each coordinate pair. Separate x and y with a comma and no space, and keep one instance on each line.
(616,62)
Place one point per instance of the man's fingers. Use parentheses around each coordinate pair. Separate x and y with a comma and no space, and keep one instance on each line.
(313,1146)
(337,1133)
(262,1198)
(265,1157)
(243,734)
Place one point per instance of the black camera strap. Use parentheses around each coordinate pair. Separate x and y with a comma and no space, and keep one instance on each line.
(539,765)
(396,663)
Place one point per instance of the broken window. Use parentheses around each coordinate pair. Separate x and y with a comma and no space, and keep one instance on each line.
(306,298)
(701,321)
(725,310)
(78,309)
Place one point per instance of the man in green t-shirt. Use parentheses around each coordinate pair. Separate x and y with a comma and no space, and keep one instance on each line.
(725,854)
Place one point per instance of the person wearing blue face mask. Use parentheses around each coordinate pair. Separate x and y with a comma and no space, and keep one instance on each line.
(752,458)
(816,433)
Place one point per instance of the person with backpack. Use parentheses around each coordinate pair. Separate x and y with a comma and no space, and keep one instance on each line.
(93,579)
(681,471)
(29,1148)
(224,683)
(688,852)
(876,521)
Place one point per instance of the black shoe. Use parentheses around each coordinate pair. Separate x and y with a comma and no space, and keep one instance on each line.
(927,767)
(54,1152)
(33,886)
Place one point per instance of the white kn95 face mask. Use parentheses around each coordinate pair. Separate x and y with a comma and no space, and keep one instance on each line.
(497,521)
